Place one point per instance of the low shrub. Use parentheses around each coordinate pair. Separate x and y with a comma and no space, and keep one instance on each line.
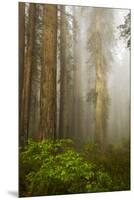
(54,167)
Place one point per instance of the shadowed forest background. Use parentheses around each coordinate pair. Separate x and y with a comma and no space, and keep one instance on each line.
(74,99)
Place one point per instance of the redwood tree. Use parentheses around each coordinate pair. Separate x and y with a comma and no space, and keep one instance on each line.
(27,65)
(48,74)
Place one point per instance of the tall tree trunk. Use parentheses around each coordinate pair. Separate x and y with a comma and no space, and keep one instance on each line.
(24,115)
(63,78)
(77,103)
(48,74)
(34,102)
(21,60)
(101,109)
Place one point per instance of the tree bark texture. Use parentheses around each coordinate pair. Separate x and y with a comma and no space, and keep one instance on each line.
(48,74)
(24,112)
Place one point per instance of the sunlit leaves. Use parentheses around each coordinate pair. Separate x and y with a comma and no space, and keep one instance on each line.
(50,167)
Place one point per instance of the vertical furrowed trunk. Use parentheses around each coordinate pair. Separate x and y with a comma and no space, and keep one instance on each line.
(48,74)
(21,60)
(27,74)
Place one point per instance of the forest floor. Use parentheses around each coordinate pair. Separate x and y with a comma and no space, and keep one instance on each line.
(56,167)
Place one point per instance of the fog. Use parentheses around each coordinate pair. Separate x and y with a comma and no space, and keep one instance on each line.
(97,103)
